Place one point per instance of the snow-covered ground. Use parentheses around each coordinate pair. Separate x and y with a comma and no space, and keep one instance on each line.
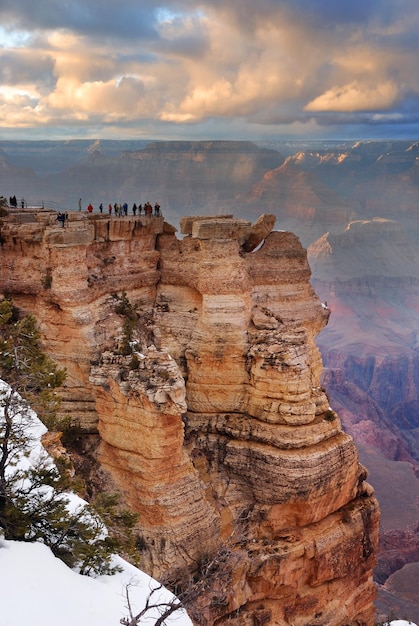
(37,589)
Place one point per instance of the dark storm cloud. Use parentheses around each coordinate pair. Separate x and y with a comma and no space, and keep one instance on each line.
(343,12)
(89,17)
(24,68)
(132,17)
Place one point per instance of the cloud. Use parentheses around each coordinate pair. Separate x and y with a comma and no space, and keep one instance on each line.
(295,63)
(26,67)
(92,18)
(356,97)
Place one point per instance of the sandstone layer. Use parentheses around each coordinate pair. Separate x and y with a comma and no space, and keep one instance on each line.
(195,360)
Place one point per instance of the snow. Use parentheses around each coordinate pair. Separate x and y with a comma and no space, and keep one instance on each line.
(40,590)
(259,246)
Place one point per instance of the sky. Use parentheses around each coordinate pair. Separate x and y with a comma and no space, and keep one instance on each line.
(210,69)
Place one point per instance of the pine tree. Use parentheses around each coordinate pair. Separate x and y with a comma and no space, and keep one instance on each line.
(27,369)
(34,500)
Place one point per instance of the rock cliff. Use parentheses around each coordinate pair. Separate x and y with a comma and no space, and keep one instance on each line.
(195,360)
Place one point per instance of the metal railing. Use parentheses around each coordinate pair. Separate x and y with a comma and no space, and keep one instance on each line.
(36,204)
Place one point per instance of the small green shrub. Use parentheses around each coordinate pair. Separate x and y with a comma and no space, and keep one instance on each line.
(124,308)
(72,436)
(134,363)
(330,415)
(140,543)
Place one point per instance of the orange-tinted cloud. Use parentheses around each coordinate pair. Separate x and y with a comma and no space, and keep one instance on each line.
(280,63)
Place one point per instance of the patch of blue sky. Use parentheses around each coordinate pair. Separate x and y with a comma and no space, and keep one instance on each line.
(164,14)
(14,38)
(119,79)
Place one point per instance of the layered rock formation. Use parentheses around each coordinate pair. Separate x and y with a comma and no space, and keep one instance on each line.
(196,361)
(66,276)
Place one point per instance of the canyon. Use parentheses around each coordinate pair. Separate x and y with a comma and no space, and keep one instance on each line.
(353,205)
(192,362)
(368,274)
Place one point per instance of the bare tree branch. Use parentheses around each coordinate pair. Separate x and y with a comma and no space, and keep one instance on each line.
(165,608)
(205,592)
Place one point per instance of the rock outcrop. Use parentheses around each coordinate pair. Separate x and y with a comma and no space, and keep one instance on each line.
(65,276)
(196,362)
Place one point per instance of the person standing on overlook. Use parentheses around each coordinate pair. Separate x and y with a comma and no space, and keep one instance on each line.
(79,204)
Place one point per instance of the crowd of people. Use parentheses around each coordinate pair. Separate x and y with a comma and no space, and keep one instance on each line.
(122,209)
(116,209)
